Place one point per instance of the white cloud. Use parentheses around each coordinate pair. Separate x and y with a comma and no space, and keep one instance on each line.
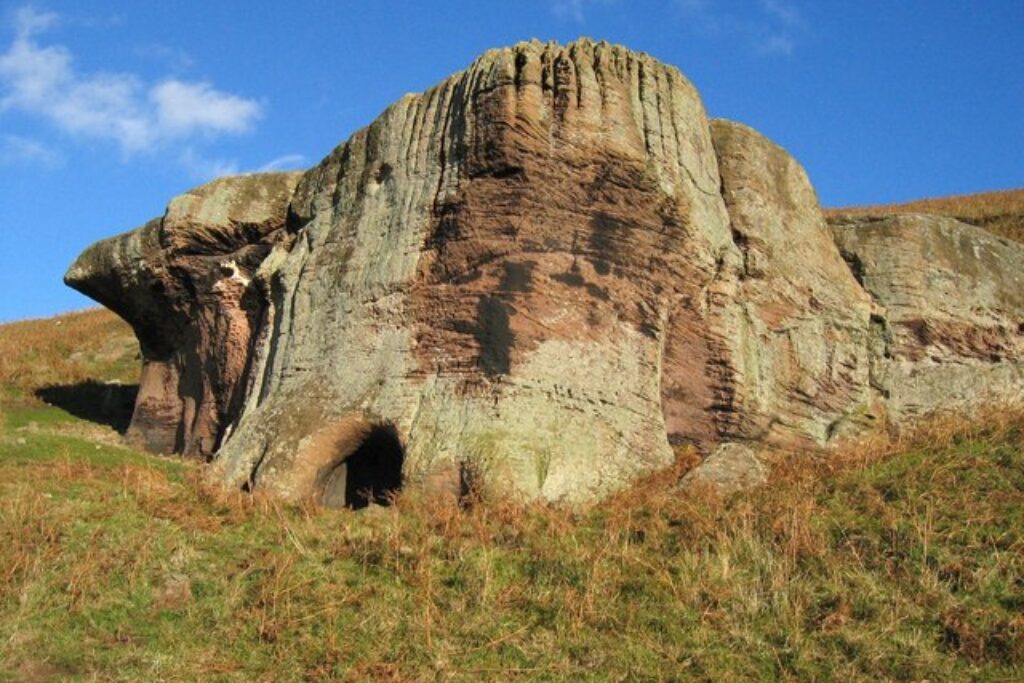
(287,162)
(184,109)
(41,80)
(769,27)
(574,9)
(29,72)
(201,168)
(18,150)
(28,20)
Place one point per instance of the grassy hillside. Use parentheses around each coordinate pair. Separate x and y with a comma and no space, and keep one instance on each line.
(999,212)
(894,561)
(72,359)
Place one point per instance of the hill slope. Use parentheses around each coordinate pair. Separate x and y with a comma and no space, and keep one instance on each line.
(891,563)
(999,212)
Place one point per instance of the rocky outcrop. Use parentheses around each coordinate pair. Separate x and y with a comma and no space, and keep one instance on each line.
(183,282)
(491,267)
(947,329)
(542,276)
(793,317)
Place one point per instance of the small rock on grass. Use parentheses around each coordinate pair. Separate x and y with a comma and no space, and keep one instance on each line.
(732,467)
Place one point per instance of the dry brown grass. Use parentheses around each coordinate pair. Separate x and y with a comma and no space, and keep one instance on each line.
(86,345)
(1000,212)
(898,558)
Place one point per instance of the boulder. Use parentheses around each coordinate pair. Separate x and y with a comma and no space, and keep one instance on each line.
(731,468)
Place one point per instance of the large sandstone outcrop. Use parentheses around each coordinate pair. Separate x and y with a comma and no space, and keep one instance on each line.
(542,275)
(796,329)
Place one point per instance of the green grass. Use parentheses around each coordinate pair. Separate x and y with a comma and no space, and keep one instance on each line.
(901,563)
(122,567)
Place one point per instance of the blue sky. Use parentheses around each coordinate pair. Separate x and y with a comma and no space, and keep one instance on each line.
(108,109)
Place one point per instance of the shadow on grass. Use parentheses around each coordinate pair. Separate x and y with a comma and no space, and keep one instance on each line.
(104,403)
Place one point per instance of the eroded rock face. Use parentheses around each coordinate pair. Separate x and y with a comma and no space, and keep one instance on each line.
(790,312)
(540,276)
(492,267)
(947,332)
(183,282)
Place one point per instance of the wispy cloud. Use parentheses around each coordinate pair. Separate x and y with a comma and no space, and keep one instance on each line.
(16,150)
(181,110)
(785,12)
(202,168)
(28,20)
(775,44)
(41,80)
(574,10)
(286,162)
(769,27)
(171,57)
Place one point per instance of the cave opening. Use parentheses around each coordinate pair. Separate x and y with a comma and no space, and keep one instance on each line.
(371,474)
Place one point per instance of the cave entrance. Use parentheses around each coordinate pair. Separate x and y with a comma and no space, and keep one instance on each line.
(371,474)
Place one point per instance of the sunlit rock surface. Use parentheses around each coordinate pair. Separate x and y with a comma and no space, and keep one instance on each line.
(543,276)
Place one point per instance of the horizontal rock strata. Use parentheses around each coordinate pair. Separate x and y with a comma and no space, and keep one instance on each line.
(947,331)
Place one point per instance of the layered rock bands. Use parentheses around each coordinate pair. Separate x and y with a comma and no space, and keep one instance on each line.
(542,275)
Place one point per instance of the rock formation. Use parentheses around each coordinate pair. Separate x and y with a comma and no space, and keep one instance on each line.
(183,282)
(541,275)
(947,329)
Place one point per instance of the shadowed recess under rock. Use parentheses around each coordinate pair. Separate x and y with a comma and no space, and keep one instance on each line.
(371,474)
(106,403)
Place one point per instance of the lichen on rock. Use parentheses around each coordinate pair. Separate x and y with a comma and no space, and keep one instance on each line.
(948,322)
